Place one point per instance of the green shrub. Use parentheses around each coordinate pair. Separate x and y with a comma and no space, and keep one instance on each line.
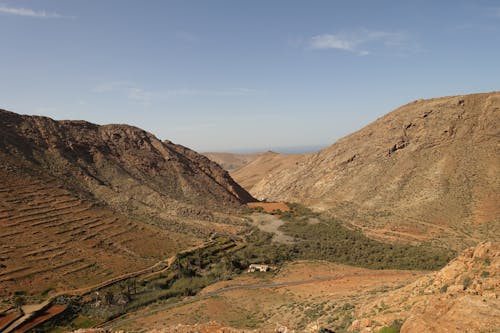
(467,282)
(330,240)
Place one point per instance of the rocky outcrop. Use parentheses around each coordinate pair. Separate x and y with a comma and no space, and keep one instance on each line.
(462,297)
(426,171)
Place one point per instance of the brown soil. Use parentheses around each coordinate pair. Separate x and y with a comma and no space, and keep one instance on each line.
(7,319)
(52,239)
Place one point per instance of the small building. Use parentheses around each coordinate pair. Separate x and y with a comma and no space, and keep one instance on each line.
(258,268)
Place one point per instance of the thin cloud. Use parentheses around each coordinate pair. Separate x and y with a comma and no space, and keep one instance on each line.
(142,96)
(198,92)
(146,97)
(332,42)
(361,42)
(18,11)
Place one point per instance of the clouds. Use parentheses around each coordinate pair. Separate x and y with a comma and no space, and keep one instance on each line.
(362,42)
(26,12)
(146,97)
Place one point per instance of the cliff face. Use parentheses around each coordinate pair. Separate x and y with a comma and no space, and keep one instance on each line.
(123,166)
(427,170)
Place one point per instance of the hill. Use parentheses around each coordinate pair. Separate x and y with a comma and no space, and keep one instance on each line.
(428,171)
(230,161)
(81,203)
(249,169)
(252,173)
(121,165)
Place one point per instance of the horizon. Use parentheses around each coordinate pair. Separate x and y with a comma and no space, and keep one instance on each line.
(236,77)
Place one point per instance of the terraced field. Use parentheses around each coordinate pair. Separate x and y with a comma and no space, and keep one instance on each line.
(47,235)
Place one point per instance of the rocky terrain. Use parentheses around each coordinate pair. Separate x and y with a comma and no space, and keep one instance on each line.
(428,171)
(81,203)
(123,166)
(462,297)
(86,208)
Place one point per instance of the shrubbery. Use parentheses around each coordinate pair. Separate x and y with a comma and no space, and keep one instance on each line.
(330,240)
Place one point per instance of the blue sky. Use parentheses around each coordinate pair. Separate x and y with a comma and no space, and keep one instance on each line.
(242,75)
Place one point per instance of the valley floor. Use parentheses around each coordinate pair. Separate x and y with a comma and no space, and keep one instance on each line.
(303,295)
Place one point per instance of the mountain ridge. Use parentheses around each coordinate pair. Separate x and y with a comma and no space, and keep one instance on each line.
(98,155)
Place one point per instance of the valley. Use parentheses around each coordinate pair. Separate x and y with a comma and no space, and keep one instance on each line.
(107,228)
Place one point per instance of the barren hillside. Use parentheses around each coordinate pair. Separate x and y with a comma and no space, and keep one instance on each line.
(122,165)
(426,171)
(53,240)
(81,203)
(252,173)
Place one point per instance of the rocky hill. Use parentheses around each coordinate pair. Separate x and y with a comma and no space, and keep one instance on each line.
(123,166)
(82,203)
(428,171)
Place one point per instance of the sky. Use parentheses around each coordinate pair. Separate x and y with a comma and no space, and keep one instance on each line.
(242,75)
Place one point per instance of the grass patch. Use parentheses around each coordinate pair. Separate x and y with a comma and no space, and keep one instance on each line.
(83,322)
